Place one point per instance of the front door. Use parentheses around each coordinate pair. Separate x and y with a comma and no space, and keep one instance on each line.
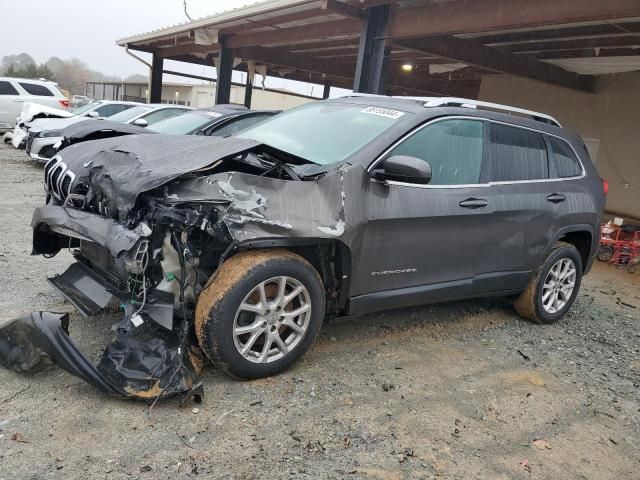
(427,235)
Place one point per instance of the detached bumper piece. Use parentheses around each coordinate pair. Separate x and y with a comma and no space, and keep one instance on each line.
(85,290)
(149,364)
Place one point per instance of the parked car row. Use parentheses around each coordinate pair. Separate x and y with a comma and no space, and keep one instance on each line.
(44,136)
(234,239)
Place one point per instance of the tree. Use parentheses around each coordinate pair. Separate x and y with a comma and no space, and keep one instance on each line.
(17,61)
(55,64)
(29,71)
(44,72)
(137,78)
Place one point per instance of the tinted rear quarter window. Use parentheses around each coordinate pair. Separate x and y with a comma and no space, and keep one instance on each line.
(234,126)
(163,114)
(566,162)
(517,154)
(37,90)
(7,89)
(111,109)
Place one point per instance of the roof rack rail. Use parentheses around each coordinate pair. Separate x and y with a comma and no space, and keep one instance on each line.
(467,103)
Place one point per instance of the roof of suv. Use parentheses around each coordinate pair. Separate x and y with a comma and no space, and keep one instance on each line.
(36,80)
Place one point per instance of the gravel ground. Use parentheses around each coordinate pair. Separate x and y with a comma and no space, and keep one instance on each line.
(458,390)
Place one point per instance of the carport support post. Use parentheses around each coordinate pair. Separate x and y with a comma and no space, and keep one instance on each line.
(373,52)
(248,91)
(327,90)
(155,84)
(223,86)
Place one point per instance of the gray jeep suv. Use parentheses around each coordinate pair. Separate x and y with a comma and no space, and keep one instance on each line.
(239,247)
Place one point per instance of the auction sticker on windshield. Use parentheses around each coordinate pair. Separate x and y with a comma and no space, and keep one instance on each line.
(383,112)
(214,114)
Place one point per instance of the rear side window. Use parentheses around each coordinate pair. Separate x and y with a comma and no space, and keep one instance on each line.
(453,148)
(234,126)
(37,90)
(111,109)
(566,162)
(7,89)
(517,154)
(158,115)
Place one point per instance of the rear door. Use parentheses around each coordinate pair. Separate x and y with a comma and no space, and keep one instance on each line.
(525,202)
(10,104)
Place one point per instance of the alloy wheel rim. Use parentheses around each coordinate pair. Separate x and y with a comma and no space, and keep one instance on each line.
(272,319)
(559,285)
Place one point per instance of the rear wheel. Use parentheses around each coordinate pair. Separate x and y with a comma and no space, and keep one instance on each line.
(260,313)
(554,286)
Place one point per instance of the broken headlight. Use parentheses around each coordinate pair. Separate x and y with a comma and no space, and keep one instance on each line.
(50,133)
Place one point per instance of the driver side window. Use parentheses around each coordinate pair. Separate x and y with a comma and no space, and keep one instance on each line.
(454,149)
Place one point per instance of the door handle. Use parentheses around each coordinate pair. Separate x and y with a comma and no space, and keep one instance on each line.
(474,203)
(556,198)
(18,101)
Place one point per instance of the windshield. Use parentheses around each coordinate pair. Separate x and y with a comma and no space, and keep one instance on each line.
(85,108)
(323,133)
(186,123)
(129,113)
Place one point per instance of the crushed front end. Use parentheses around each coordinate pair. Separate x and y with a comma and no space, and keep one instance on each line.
(137,254)
(148,220)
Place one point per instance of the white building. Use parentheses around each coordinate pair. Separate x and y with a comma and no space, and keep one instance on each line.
(196,95)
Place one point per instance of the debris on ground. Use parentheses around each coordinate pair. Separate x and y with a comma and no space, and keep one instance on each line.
(541,444)
(18,437)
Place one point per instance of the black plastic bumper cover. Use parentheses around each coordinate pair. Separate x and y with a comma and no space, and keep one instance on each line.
(149,364)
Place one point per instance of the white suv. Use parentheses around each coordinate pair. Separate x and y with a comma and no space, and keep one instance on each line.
(16,91)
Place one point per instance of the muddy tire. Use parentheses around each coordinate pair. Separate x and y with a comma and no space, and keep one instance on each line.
(554,286)
(260,312)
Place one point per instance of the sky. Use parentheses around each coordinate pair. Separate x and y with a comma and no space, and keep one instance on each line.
(88,29)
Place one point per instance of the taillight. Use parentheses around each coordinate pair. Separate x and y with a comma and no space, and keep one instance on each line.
(64,103)
(605,186)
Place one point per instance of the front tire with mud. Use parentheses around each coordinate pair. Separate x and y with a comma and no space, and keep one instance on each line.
(554,286)
(260,312)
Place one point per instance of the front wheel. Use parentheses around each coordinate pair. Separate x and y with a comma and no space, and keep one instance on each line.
(554,286)
(260,312)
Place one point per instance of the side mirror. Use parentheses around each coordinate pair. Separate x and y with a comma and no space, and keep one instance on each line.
(403,168)
(93,114)
(141,122)
(201,132)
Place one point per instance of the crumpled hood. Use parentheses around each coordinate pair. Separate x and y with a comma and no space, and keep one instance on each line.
(121,168)
(32,111)
(85,128)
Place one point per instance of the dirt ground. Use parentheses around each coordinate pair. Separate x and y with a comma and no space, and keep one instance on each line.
(454,391)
